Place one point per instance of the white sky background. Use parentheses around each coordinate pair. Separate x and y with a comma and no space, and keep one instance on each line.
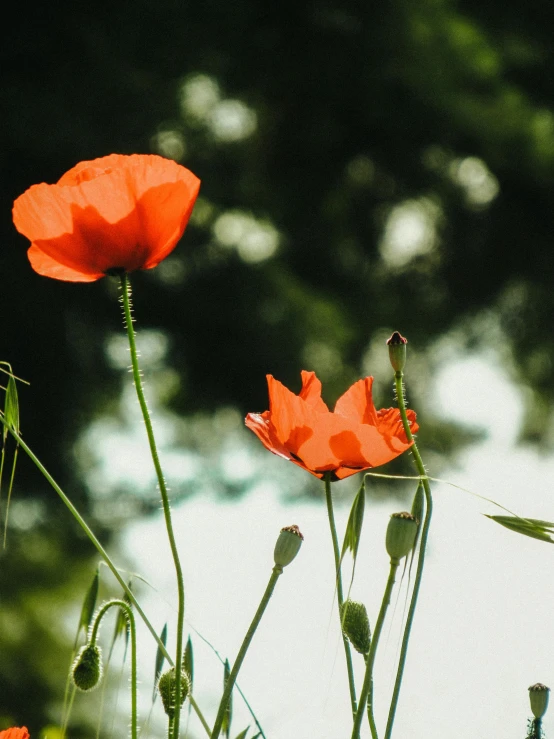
(482,632)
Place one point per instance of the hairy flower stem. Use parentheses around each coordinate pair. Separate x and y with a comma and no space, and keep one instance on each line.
(399,385)
(340,596)
(368,679)
(126,608)
(276,572)
(126,293)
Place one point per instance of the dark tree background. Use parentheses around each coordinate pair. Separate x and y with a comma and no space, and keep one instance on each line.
(334,128)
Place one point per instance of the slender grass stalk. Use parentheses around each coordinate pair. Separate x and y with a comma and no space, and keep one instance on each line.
(368,679)
(126,608)
(399,385)
(340,596)
(126,300)
(275,574)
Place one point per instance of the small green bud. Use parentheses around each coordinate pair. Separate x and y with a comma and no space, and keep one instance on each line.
(401,535)
(166,689)
(288,545)
(538,696)
(397,351)
(87,668)
(355,625)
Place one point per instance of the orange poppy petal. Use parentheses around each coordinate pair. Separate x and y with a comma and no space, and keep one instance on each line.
(357,402)
(15,733)
(49,267)
(311,392)
(124,212)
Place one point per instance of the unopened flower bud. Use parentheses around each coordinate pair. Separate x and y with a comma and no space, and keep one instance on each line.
(397,351)
(87,668)
(288,545)
(166,689)
(401,535)
(538,696)
(355,625)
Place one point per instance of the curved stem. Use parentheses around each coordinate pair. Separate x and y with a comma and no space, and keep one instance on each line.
(126,290)
(277,571)
(340,596)
(126,608)
(398,378)
(368,679)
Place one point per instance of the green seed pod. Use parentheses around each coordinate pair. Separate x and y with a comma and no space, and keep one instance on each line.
(401,535)
(86,671)
(288,545)
(355,625)
(538,696)
(397,351)
(166,689)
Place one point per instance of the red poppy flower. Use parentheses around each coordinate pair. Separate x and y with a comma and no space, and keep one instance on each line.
(110,214)
(15,733)
(354,437)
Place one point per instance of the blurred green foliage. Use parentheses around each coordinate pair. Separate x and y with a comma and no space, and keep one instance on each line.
(364,169)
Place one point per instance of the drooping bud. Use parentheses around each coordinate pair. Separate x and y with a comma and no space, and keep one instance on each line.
(86,671)
(355,625)
(538,697)
(397,351)
(288,545)
(401,535)
(166,689)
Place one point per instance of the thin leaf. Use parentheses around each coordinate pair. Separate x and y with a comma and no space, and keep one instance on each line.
(227,717)
(533,527)
(159,662)
(188,661)
(243,734)
(11,422)
(353,531)
(11,407)
(89,603)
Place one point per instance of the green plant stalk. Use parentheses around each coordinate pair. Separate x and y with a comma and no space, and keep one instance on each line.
(105,556)
(368,679)
(133,629)
(126,292)
(340,596)
(275,574)
(399,385)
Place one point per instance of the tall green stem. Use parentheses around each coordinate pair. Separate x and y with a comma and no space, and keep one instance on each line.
(276,572)
(399,385)
(126,608)
(340,596)
(368,679)
(126,291)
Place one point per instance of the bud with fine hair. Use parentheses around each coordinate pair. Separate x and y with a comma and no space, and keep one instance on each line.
(538,697)
(166,689)
(288,545)
(401,535)
(355,625)
(86,671)
(397,351)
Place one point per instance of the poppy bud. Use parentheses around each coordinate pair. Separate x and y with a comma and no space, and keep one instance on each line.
(355,625)
(538,696)
(401,535)
(87,668)
(288,545)
(397,351)
(166,689)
